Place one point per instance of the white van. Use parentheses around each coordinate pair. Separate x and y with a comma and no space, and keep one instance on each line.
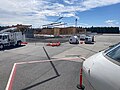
(88,40)
(82,36)
(73,40)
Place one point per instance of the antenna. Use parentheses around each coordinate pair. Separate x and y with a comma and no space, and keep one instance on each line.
(76,22)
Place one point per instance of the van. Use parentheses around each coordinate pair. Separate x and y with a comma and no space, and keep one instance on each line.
(88,40)
(82,37)
(73,40)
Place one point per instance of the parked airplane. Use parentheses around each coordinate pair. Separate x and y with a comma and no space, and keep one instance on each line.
(102,70)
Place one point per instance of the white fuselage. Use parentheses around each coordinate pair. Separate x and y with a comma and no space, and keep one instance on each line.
(102,73)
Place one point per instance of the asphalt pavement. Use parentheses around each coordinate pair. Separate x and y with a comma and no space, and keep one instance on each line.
(39,73)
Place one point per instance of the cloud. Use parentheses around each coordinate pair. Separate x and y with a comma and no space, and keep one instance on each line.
(72,1)
(36,12)
(112,22)
(88,4)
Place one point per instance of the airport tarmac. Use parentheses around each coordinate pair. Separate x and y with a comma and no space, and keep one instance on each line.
(32,70)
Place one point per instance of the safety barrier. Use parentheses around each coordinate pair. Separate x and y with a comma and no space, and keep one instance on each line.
(81,86)
(81,42)
(54,44)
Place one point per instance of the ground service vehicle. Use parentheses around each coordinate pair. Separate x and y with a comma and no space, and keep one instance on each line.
(102,70)
(73,40)
(9,37)
(88,40)
(82,37)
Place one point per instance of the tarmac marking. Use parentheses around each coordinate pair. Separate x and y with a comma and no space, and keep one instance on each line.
(42,61)
(13,72)
(11,78)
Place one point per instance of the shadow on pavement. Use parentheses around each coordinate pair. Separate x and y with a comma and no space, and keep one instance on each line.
(12,47)
(29,87)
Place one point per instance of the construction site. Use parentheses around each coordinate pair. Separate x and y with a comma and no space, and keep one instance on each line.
(47,60)
(36,66)
(51,57)
(59,45)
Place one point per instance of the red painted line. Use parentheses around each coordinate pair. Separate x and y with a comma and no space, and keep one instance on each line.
(11,78)
(13,72)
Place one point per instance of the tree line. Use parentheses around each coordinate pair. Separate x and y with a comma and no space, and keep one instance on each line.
(102,29)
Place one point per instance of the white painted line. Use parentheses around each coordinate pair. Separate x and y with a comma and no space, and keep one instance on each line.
(11,78)
(70,58)
(42,61)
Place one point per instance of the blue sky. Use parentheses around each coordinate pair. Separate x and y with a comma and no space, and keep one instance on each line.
(40,12)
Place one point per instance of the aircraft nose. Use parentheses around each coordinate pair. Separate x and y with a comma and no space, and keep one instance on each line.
(87,65)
